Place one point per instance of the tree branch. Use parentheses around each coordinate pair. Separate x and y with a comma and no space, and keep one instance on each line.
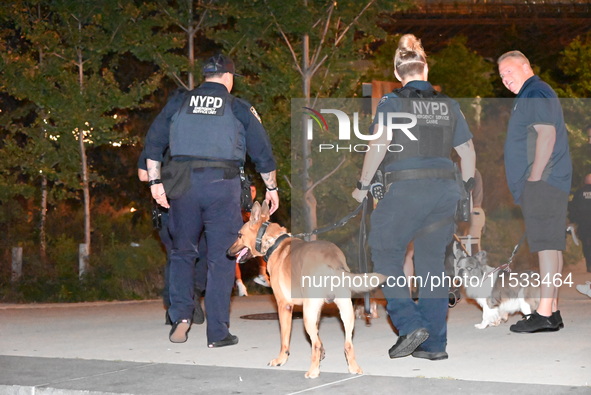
(326,176)
(286,39)
(324,33)
(288,181)
(180,81)
(339,38)
(183,28)
(317,66)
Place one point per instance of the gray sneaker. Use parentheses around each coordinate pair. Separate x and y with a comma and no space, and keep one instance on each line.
(585,289)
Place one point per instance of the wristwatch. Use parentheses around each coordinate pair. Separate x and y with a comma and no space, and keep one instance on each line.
(362,187)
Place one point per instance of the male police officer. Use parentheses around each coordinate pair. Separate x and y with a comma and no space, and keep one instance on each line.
(209,132)
(419,203)
(160,219)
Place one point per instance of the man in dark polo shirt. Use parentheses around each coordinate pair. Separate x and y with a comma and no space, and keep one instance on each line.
(538,169)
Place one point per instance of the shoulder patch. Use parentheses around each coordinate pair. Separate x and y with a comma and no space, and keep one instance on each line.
(256,115)
(382,100)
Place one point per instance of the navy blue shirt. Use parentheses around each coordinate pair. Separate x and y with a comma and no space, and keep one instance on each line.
(536,104)
(258,145)
(461,135)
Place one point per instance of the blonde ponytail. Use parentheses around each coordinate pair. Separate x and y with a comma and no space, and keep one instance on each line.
(410,57)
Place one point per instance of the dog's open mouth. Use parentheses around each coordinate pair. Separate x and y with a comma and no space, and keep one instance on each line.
(243,255)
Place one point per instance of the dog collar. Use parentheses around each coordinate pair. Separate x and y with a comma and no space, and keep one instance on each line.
(275,245)
(260,234)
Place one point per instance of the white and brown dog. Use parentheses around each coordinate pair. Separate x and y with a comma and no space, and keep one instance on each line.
(498,293)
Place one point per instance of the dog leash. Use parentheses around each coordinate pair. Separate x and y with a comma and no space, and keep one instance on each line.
(362,250)
(363,259)
(337,224)
(506,267)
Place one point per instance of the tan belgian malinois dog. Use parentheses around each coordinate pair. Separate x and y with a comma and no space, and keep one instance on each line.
(307,274)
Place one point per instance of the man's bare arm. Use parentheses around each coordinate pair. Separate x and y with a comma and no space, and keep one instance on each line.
(544,147)
(142,175)
(468,159)
(271,197)
(157,189)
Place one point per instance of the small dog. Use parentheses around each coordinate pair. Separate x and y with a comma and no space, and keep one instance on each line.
(299,272)
(498,293)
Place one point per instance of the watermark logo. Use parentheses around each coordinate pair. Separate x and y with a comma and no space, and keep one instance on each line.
(386,122)
(316,116)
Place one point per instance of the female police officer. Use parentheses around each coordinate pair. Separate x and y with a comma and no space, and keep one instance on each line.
(420,201)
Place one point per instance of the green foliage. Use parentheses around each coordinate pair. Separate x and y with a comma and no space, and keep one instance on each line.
(460,71)
(63,69)
(168,29)
(575,63)
(119,272)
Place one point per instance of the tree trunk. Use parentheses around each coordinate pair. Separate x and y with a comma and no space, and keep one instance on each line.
(86,193)
(43,221)
(191,31)
(84,170)
(310,203)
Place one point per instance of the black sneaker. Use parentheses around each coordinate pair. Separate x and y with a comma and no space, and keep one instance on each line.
(179,331)
(406,344)
(432,356)
(535,323)
(229,340)
(557,319)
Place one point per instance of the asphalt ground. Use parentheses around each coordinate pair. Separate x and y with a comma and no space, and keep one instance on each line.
(123,348)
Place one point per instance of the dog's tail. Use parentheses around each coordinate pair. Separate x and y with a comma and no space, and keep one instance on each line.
(363,282)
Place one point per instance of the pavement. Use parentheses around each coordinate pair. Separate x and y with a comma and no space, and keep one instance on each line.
(123,348)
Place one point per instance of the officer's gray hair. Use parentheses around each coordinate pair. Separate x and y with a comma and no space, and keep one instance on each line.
(515,55)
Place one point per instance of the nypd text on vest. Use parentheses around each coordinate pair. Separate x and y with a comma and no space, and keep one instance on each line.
(431,112)
(209,105)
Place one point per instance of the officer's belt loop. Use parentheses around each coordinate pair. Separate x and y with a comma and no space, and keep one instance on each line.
(419,174)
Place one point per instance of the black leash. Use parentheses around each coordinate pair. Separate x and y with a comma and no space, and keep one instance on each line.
(507,266)
(363,259)
(337,224)
(362,250)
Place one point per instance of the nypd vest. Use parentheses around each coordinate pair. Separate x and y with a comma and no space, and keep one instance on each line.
(434,129)
(206,128)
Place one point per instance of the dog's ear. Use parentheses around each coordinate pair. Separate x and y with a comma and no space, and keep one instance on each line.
(255,213)
(481,256)
(457,251)
(265,211)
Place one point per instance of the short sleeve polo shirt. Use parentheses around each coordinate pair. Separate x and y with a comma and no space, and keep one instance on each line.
(536,104)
